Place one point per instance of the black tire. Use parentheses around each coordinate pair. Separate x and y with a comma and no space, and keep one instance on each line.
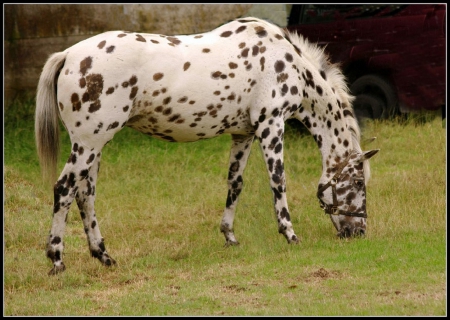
(367,106)
(375,89)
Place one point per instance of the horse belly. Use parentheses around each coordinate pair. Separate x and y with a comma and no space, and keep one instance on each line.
(172,122)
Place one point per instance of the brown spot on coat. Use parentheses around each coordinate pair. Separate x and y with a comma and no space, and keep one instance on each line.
(294,90)
(279,66)
(101,44)
(232,96)
(174,40)
(82,83)
(174,117)
(319,90)
(261,32)
(113,125)
(284,89)
(140,38)
(167,100)
(85,64)
(133,80)
(288,57)
(94,106)
(216,74)
(255,50)
(282,77)
(85,97)
(186,66)
(94,84)
(226,34)
(240,29)
(279,37)
(261,62)
(133,92)
(76,103)
(90,159)
(158,76)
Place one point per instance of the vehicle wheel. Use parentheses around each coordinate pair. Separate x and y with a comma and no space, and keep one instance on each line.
(374,86)
(367,106)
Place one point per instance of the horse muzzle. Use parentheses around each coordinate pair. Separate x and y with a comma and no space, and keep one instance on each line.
(351,232)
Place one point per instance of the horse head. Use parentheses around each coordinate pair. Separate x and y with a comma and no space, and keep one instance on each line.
(343,197)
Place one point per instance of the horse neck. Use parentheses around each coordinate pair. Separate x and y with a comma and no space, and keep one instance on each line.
(332,157)
(333,148)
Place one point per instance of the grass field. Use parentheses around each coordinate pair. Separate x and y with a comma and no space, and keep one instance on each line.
(159,207)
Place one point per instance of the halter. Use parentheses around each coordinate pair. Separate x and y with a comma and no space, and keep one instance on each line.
(333,209)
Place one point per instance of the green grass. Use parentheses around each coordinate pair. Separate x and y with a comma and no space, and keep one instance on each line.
(159,207)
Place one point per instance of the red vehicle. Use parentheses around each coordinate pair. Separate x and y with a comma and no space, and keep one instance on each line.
(394,56)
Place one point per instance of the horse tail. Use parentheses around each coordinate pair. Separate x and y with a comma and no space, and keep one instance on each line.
(46,123)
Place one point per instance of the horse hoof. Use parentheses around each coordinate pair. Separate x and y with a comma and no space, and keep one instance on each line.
(294,240)
(230,243)
(57,269)
(110,262)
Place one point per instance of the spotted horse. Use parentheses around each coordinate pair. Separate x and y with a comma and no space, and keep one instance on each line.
(244,78)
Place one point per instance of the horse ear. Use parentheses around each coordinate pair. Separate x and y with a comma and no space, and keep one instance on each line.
(369,154)
(370,140)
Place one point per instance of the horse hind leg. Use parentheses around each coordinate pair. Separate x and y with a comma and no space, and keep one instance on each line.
(65,190)
(85,200)
(239,153)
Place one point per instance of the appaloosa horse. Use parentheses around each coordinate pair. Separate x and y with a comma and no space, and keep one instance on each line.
(244,78)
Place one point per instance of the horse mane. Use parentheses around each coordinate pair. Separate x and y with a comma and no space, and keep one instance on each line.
(320,60)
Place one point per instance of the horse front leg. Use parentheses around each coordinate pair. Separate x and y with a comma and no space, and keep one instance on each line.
(239,153)
(85,201)
(270,134)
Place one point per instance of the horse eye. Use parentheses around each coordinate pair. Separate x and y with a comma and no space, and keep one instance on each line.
(359,183)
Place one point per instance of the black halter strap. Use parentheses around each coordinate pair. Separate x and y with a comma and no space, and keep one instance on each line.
(333,209)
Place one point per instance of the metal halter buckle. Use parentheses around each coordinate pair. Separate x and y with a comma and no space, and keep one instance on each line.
(334,211)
